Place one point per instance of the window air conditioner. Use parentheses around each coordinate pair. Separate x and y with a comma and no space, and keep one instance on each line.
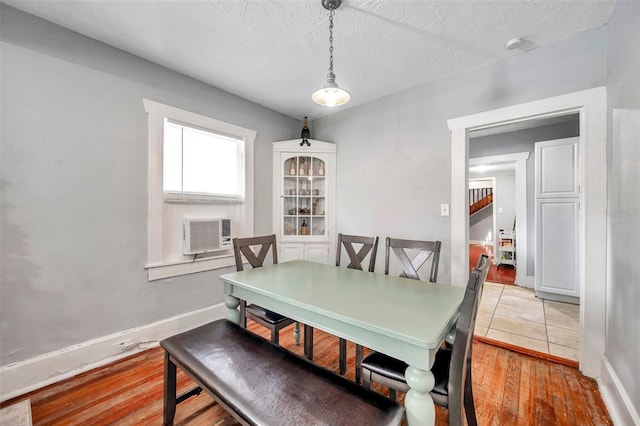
(206,236)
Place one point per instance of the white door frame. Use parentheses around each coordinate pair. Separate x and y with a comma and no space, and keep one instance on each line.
(591,105)
(520,160)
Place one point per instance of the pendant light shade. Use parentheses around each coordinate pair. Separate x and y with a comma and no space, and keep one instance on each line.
(331,94)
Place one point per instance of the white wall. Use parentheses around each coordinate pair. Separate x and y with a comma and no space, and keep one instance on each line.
(481,225)
(622,350)
(74,187)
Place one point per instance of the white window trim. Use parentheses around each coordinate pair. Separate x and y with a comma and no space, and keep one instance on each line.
(158,267)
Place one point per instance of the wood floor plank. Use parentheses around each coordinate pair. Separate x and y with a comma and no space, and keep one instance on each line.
(509,389)
(544,402)
(527,399)
(591,400)
(483,363)
(497,381)
(561,398)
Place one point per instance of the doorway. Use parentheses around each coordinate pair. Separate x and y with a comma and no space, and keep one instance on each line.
(591,106)
(511,206)
(518,318)
(490,187)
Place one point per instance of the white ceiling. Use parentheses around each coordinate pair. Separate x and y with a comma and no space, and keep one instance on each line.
(276,52)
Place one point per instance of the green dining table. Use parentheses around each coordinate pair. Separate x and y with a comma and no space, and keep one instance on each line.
(401,317)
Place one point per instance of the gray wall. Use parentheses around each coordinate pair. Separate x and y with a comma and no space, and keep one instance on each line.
(524,141)
(394,154)
(623,293)
(74,187)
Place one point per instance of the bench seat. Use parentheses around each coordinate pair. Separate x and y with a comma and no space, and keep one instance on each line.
(260,383)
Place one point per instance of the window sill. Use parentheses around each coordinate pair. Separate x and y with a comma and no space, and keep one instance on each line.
(178,268)
(171,197)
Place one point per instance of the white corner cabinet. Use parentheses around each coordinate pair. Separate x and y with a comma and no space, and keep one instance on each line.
(304,182)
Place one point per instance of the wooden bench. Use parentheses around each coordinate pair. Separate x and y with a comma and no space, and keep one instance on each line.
(260,383)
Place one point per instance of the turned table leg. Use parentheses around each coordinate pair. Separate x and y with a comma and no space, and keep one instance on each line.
(418,403)
(233,314)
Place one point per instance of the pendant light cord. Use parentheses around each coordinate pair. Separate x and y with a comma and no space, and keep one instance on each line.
(332,12)
(331,94)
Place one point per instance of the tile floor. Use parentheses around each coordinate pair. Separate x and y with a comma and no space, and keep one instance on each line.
(513,315)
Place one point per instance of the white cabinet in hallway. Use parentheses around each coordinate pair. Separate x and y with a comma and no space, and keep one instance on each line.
(557,220)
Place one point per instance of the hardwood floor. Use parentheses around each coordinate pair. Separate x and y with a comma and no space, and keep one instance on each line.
(502,275)
(509,388)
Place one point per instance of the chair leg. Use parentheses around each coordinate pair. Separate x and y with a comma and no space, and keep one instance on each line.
(243,314)
(393,394)
(308,342)
(275,336)
(343,356)
(358,363)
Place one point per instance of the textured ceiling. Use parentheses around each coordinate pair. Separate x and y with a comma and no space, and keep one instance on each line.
(276,52)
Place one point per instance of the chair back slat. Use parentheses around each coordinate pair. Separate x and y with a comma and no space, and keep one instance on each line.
(255,250)
(367,245)
(427,250)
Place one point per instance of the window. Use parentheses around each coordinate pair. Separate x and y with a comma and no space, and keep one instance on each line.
(201,165)
(198,167)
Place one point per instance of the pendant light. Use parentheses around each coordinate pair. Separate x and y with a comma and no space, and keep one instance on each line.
(331,94)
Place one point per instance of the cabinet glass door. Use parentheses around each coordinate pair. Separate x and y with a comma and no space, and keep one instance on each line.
(304,191)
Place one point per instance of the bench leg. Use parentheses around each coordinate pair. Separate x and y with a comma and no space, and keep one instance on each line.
(366,379)
(308,342)
(169,390)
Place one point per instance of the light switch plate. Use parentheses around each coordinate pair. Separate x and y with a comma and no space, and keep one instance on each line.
(444,209)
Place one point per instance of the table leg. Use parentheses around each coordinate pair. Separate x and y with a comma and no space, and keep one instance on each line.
(232,304)
(296,333)
(418,403)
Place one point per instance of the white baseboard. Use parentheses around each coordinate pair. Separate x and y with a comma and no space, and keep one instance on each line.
(527,281)
(615,397)
(42,370)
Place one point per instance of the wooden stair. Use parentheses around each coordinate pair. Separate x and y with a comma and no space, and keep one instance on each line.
(479,198)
